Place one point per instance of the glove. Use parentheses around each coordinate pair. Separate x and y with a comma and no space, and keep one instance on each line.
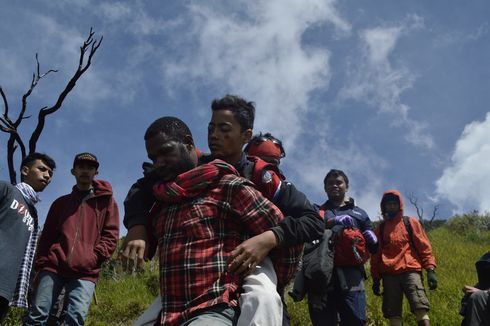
(431,279)
(377,287)
(370,237)
(345,220)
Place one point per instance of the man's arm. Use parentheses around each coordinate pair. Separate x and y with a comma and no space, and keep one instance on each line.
(137,205)
(257,215)
(422,245)
(49,235)
(301,222)
(109,234)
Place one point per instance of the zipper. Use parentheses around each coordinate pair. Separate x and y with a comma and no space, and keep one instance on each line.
(80,216)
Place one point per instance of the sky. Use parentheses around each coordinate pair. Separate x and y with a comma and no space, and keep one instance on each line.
(395,93)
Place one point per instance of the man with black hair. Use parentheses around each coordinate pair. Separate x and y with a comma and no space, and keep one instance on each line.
(202,214)
(404,251)
(229,130)
(346,296)
(19,229)
(80,233)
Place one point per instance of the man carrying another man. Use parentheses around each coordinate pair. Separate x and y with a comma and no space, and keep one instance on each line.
(202,215)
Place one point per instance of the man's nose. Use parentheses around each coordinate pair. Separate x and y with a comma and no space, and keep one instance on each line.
(159,162)
(47,176)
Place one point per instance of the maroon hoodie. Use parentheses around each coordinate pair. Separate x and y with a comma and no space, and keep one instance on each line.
(79,233)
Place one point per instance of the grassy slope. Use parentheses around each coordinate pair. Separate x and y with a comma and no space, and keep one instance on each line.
(122,298)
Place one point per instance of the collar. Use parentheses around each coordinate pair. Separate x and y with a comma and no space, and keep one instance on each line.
(28,193)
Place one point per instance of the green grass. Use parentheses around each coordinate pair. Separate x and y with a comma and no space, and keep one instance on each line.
(456,254)
(122,298)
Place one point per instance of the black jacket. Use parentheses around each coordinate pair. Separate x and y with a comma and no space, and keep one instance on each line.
(301,221)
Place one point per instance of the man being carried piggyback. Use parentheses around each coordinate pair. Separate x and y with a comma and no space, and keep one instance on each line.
(19,229)
(80,233)
(229,130)
(203,213)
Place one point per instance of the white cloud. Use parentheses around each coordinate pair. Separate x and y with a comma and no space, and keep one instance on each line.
(374,80)
(363,167)
(259,54)
(465,181)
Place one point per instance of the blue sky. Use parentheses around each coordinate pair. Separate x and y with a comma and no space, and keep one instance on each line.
(395,93)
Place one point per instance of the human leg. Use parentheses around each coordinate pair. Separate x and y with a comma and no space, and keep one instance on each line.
(260,304)
(392,297)
(150,315)
(48,289)
(78,297)
(219,315)
(417,298)
(352,308)
(477,311)
(323,308)
(395,321)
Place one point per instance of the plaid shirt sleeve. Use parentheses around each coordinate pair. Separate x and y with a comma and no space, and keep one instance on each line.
(258,215)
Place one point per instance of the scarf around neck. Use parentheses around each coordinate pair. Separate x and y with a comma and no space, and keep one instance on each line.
(29,194)
(193,182)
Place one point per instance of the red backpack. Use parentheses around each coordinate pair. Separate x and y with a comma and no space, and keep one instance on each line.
(350,245)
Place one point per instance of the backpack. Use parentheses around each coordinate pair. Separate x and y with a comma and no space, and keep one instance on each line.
(266,176)
(350,245)
(318,263)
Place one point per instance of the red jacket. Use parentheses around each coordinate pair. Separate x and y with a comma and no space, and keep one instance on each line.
(395,254)
(79,234)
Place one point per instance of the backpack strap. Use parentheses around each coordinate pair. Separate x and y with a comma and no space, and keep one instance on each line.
(266,176)
(408,226)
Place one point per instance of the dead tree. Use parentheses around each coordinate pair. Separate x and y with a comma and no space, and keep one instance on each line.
(11,126)
(420,210)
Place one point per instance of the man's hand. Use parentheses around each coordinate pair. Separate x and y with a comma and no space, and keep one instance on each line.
(251,252)
(370,237)
(470,289)
(377,287)
(345,220)
(431,279)
(133,252)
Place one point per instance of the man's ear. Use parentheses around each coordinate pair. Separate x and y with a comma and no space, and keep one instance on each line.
(24,170)
(72,172)
(189,142)
(247,135)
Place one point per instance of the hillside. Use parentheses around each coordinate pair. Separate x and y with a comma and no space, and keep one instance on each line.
(457,245)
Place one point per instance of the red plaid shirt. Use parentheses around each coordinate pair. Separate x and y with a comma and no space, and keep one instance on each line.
(195,238)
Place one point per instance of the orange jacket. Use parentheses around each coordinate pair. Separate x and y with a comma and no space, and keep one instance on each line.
(395,254)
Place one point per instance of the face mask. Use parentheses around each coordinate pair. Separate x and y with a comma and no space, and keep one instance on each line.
(390,215)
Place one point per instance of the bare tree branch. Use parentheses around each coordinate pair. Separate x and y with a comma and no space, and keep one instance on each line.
(414,201)
(35,79)
(10,126)
(82,67)
(6,119)
(434,213)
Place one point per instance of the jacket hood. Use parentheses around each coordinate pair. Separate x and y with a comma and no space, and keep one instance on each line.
(395,193)
(483,270)
(101,188)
